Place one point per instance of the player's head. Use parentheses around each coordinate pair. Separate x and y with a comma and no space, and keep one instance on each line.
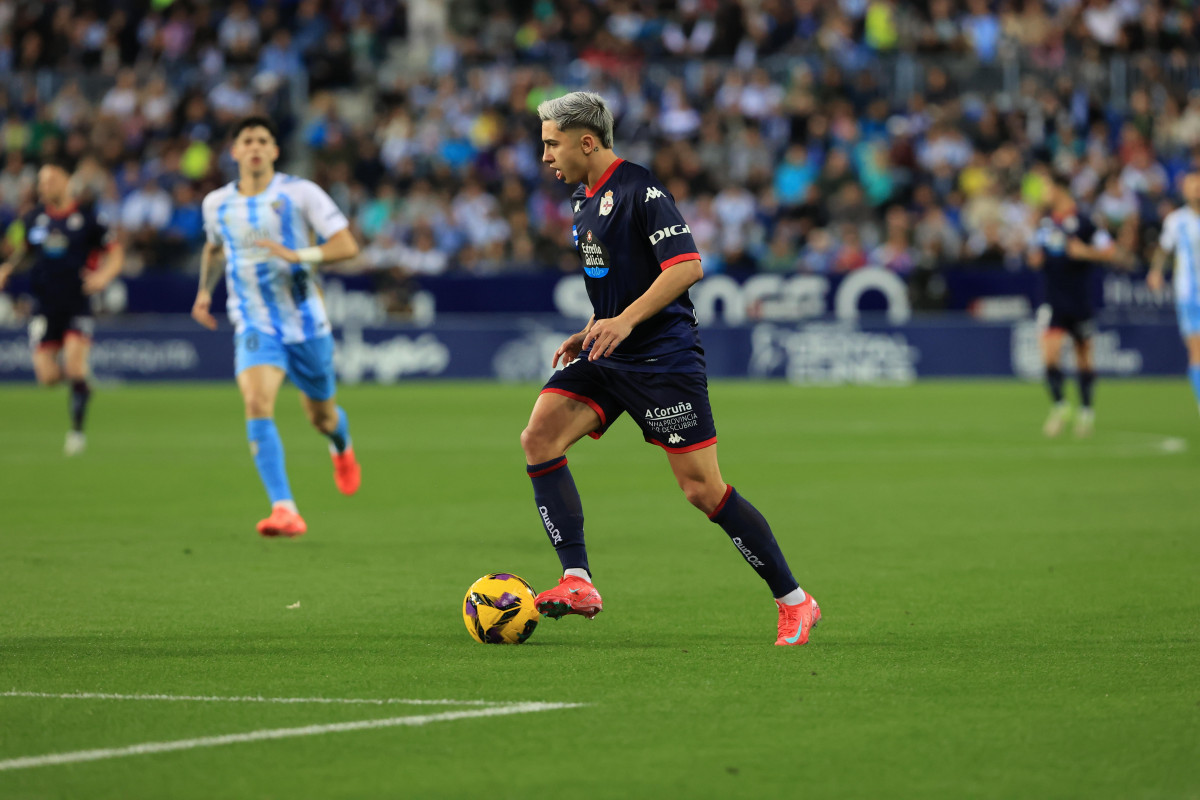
(574,127)
(1191,188)
(53,182)
(255,145)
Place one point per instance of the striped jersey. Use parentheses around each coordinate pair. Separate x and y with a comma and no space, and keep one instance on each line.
(268,294)
(1181,233)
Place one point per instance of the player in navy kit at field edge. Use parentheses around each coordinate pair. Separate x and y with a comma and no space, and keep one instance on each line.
(61,244)
(639,354)
(1067,246)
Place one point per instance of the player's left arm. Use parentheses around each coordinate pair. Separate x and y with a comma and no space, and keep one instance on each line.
(339,247)
(606,334)
(328,221)
(110,267)
(1102,248)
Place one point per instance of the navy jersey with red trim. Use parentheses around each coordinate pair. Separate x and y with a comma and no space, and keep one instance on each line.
(628,230)
(61,245)
(1067,279)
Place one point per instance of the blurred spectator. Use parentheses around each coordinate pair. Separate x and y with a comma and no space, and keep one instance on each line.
(796,135)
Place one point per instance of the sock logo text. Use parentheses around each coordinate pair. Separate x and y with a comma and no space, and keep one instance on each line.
(754,560)
(555,536)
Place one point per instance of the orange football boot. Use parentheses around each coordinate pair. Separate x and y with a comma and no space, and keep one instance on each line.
(346,472)
(572,596)
(796,621)
(282,522)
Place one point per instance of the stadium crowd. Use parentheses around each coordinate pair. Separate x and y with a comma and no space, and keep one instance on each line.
(796,135)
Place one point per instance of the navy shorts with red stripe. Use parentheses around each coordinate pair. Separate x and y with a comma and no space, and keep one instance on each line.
(671,408)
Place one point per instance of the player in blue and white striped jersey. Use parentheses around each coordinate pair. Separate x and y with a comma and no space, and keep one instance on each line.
(264,223)
(1181,234)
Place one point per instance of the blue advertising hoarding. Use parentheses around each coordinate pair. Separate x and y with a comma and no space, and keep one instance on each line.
(519,348)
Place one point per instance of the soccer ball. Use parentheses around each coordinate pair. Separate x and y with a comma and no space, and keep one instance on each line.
(499,609)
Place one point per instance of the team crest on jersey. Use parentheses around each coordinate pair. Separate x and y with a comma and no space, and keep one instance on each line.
(606,203)
(75,221)
(277,207)
(595,256)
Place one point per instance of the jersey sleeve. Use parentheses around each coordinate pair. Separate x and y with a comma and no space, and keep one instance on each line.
(212,224)
(322,213)
(1168,240)
(669,235)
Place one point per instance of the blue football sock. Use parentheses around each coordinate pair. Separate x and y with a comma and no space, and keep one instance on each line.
(752,536)
(561,510)
(340,438)
(1194,377)
(267,448)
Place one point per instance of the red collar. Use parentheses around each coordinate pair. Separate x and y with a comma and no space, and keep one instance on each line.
(64,213)
(603,178)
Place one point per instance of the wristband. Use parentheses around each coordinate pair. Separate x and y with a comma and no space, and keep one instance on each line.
(310,255)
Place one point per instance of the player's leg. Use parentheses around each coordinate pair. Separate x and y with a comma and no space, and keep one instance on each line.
(1086,420)
(699,476)
(45,344)
(77,347)
(561,417)
(310,366)
(1052,342)
(1189,327)
(259,384)
(1193,348)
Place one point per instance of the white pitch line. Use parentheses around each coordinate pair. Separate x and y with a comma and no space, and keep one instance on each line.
(147,748)
(179,698)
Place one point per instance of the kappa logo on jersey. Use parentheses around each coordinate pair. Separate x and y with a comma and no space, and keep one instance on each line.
(578,203)
(606,203)
(663,233)
(653,193)
(675,438)
(75,222)
(595,256)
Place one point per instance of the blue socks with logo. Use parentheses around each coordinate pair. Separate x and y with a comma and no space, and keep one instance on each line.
(752,536)
(561,510)
(1194,377)
(340,438)
(267,449)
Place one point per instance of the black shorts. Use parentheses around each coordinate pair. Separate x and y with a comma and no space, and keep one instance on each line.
(49,330)
(671,408)
(1080,327)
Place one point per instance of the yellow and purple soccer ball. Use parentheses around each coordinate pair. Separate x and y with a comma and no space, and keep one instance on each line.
(499,609)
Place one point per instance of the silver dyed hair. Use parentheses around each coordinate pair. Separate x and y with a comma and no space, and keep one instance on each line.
(580,110)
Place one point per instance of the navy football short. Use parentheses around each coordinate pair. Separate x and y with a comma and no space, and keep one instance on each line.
(1079,327)
(49,330)
(671,408)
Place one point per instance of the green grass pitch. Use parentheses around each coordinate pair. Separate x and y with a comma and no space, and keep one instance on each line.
(1004,616)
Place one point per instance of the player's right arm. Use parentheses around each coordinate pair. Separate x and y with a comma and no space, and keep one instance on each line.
(210,269)
(210,275)
(22,257)
(21,260)
(1155,278)
(572,346)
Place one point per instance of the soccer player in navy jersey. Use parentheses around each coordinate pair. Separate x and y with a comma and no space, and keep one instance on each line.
(639,354)
(62,244)
(1067,246)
